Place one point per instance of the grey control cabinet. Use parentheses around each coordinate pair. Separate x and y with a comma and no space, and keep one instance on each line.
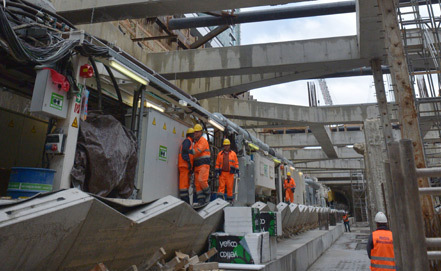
(161,138)
(47,98)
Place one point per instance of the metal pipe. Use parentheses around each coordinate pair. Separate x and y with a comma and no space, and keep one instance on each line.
(434,191)
(433,242)
(434,255)
(428,172)
(264,15)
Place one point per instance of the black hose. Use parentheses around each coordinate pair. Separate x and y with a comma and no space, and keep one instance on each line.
(98,84)
(134,109)
(118,92)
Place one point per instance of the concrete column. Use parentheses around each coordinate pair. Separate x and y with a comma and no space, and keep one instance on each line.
(375,155)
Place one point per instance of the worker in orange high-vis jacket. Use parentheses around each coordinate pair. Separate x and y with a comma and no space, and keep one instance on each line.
(346,222)
(202,158)
(380,247)
(290,187)
(185,165)
(226,166)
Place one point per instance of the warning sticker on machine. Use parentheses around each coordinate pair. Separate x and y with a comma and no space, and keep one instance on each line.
(162,153)
(57,101)
(75,123)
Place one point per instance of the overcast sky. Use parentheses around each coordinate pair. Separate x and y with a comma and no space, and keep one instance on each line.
(343,90)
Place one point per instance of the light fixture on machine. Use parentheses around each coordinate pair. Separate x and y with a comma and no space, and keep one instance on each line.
(253,147)
(216,124)
(127,72)
(154,106)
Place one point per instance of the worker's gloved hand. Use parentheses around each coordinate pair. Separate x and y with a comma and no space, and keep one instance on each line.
(189,166)
(293,190)
(216,174)
(191,151)
(237,174)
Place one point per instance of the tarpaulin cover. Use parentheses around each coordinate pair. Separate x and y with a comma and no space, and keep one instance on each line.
(106,157)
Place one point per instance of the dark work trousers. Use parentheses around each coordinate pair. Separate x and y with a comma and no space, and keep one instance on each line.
(347,227)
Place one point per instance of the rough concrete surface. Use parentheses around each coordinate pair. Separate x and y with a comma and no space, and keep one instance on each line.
(344,255)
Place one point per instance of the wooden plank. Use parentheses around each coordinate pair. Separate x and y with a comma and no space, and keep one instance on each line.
(99,267)
(203,266)
(406,222)
(207,255)
(416,246)
(157,256)
(172,264)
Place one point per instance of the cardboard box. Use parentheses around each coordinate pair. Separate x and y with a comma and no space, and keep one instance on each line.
(253,248)
(271,222)
(240,221)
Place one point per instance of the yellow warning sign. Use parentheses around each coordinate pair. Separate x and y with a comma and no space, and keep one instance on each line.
(174,130)
(33,130)
(183,135)
(75,123)
(11,124)
(154,121)
(164,127)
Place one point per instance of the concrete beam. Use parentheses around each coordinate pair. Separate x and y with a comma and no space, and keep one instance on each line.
(338,139)
(329,174)
(204,88)
(319,154)
(299,57)
(370,30)
(292,114)
(321,133)
(347,164)
(302,140)
(336,182)
(86,11)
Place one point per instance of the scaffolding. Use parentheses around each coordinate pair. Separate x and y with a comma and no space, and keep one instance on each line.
(421,37)
(359,199)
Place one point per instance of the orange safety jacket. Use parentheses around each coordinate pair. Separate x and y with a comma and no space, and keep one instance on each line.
(289,183)
(186,153)
(233,162)
(382,255)
(202,153)
(345,218)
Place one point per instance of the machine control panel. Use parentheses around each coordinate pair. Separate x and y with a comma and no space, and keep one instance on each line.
(55,143)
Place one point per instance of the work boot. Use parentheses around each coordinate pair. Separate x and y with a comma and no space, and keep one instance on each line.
(201,201)
(186,199)
(207,193)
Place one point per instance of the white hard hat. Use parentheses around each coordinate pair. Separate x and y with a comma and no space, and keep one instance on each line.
(380,217)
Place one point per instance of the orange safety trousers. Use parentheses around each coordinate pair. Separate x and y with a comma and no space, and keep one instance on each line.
(184,178)
(201,174)
(289,195)
(226,179)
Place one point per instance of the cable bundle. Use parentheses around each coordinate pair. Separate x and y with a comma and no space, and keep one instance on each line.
(18,15)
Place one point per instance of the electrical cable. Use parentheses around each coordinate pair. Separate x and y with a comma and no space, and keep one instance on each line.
(118,92)
(98,84)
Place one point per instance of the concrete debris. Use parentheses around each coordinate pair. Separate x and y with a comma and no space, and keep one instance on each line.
(359,148)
